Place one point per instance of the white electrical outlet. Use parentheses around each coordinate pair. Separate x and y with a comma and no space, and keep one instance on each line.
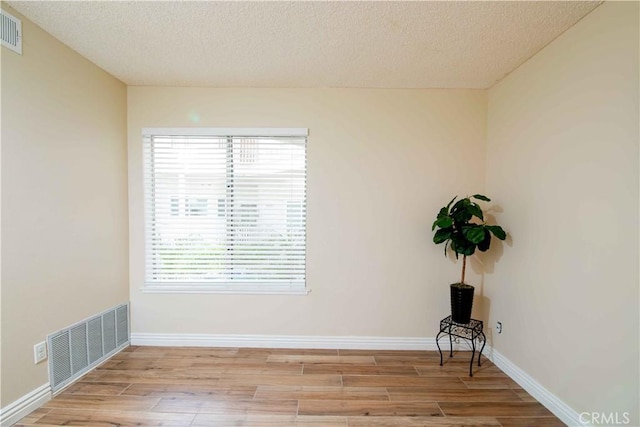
(39,352)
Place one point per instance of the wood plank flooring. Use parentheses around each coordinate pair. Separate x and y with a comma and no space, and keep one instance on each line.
(206,387)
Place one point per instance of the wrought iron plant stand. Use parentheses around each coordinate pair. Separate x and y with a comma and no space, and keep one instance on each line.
(472,332)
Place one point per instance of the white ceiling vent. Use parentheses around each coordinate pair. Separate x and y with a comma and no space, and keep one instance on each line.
(11,30)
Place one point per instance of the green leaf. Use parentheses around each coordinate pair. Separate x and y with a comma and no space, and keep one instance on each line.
(462,245)
(486,242)
(460,204)
(474,234)
(444,222)
(460,212)
(481,197)
(442,235)
(497,231)
(444,213)
(453,248)
(468,250)
(461,215)
(474,209)
(449,204)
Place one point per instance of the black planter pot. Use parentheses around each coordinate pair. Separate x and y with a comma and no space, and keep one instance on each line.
(461,302)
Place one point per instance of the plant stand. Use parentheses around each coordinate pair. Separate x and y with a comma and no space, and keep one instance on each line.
(472,332)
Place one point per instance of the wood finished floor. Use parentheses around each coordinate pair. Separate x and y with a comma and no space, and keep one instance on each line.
(207,387)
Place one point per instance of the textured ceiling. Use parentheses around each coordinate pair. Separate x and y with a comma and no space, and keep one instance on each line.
(306,44)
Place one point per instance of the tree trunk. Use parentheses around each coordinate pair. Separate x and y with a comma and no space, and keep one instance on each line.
(464,267)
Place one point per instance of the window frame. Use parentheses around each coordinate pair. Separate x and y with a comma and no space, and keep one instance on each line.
(264,287)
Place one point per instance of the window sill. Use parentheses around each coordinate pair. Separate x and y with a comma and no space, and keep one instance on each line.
(235,290)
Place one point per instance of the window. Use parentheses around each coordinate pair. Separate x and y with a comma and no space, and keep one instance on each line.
(295,214)
(225,210)
(221,208)
(175,206)
(197,207)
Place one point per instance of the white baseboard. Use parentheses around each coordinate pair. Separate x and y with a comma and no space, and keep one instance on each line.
(285,341)
(28,403)
(553,403)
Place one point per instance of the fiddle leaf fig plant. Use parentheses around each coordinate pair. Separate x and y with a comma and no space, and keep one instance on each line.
(461,227)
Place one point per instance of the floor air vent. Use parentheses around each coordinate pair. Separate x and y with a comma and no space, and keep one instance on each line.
(78,348)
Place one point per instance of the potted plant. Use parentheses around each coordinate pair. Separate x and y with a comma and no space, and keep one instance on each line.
(462,229)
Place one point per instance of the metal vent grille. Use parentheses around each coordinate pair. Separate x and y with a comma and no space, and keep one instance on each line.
(78,348)
(60,358)
(109,331)
(122,325)
(94,327)
(11,32)
(79,351)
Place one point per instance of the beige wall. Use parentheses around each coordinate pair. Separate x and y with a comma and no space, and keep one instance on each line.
(380,164)
(562,161)
(64,199)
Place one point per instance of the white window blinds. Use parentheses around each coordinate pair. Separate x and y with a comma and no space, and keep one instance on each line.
(225,208)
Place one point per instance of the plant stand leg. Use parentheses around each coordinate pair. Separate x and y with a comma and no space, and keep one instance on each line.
(450,343)
(438,344)
(484,341)
(473,355)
